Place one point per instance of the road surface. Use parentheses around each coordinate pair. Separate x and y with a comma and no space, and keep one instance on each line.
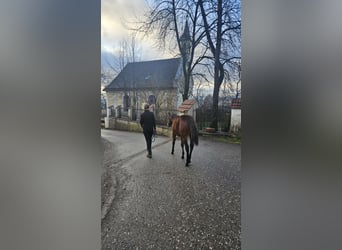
(159,203)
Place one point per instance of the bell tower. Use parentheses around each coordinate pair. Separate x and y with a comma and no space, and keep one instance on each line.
(185,49)
(185,41)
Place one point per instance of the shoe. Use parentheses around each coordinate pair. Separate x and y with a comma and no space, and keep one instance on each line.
(149,156)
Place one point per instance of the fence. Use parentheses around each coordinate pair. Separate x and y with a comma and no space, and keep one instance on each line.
(161,115)
(205,116)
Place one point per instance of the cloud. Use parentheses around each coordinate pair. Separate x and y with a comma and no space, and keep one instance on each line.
(116,15)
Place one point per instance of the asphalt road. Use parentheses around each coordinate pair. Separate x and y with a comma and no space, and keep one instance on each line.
(159,203)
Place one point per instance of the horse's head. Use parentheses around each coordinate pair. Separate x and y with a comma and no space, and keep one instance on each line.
(171,117)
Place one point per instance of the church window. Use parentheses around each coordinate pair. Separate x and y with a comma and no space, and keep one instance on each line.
(151,99)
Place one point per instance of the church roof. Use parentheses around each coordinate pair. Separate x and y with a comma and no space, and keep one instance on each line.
(146,74)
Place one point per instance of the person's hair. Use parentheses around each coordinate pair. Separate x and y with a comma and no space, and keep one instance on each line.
(146,106)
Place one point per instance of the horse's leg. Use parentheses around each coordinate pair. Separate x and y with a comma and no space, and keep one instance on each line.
(191,148)
(187,152)
(182,145)
(173,143)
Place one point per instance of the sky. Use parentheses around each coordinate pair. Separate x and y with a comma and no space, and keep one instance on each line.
(114,15)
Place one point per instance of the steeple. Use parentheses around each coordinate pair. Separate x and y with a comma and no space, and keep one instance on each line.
(185,41)
(185,49)
(186,32)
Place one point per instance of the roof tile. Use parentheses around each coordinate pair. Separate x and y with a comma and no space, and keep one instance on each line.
(186,105)
(236,103)
(146,74)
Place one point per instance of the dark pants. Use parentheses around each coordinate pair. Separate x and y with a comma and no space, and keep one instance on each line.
(148,138)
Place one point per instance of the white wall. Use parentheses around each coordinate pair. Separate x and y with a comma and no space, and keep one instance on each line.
(235,122)
(166,98)
(115,98)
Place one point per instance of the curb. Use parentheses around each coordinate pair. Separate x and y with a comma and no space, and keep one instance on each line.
(108,202)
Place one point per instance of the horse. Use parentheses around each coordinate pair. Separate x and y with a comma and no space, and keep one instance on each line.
(184,126)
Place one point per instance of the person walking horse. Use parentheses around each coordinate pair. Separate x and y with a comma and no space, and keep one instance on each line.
(148,124)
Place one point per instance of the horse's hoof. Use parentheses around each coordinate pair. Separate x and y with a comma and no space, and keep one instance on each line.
(172,153)
(182,157)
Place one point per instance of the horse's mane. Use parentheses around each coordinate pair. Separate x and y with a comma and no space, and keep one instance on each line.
(171,118)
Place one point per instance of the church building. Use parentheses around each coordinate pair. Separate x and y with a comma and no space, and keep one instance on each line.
(159,83)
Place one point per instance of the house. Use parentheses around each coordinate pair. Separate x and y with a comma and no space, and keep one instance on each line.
(235,122)
(158,83)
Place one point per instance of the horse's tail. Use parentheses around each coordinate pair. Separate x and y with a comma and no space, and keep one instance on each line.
(194,131)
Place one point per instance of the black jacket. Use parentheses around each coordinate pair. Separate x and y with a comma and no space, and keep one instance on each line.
(147,121)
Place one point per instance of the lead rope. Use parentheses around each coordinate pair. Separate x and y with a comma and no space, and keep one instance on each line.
(154,136)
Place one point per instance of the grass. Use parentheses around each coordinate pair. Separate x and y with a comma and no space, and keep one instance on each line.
(223,138)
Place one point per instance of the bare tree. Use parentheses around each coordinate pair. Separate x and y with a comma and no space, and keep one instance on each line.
(212,29)
(167,17)
(128,50)
(231,86)
(199,87)
(222,24)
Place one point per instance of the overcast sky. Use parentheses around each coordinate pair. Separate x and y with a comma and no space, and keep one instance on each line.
(114,14)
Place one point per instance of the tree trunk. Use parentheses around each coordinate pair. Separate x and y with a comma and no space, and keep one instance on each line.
(186,84)
(216,51)
(219,76)
(214,121)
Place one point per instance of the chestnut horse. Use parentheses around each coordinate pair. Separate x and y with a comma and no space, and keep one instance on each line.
(184,126)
